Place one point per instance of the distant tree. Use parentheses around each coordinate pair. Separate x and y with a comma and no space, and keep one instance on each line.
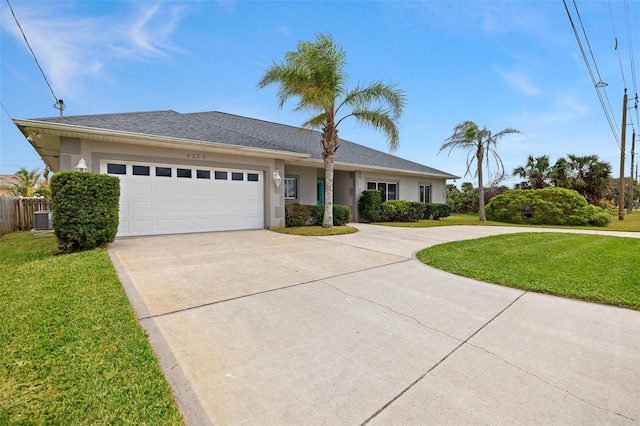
(536,173)
(587,175)
(481,144)
(315,75)
(463,200)
(28,182)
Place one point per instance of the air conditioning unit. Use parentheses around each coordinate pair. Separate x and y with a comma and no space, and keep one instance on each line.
(43,220)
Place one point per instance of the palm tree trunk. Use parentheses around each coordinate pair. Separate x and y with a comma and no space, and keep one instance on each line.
(483,217)
(327,221)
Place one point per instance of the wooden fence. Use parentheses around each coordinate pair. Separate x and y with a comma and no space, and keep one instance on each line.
(16,213)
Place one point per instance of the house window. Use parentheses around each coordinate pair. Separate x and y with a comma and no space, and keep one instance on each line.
(141,170)
(220,175)
(163,171)
(116,169)
(183,173)
(290,188)
(425,193)
(203,174)
(252,177)
(237,176)
(389,190)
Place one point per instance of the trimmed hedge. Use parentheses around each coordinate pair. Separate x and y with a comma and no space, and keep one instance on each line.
(548,206)
(310,215)
(437,211)
(85,210)
(402,211)
(370,205)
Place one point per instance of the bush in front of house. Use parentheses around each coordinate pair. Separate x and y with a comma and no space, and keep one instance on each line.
(435,211)
(548,206)
(309,215)
(341,214)
(296,214)
(370,205)
(402,211)
(85,210)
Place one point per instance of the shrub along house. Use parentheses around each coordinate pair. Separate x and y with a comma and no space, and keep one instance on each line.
(213,171)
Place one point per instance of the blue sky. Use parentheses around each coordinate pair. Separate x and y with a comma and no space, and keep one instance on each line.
(498,63)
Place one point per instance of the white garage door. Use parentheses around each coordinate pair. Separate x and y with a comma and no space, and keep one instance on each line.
(170,199)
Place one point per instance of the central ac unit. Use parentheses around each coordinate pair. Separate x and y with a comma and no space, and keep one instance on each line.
(43,220)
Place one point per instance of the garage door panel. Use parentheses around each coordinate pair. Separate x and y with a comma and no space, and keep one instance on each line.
(152,204)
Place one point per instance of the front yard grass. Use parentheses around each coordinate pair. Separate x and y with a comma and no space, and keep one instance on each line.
(595,268)
(316,231)
(631,223)
(71,350)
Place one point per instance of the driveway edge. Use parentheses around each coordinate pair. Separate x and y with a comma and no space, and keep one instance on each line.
(189,405)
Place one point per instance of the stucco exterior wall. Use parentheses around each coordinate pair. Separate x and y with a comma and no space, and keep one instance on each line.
(307,178)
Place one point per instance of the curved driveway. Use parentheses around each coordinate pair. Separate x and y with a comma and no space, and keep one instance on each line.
(256,327)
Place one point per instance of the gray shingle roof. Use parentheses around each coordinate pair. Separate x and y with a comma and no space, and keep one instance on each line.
(219,127)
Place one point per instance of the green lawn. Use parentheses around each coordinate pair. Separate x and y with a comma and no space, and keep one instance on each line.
(630,223)
(71,350)
(316,231)
(595,268)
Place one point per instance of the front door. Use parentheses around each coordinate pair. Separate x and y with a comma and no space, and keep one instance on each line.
(319,192)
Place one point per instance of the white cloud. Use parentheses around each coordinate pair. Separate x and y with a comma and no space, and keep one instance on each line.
(518,80)
(71,48)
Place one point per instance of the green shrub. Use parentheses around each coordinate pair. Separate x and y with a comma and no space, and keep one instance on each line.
(85,210)
(437,211)
(548,206)
(309,215)
(370,205)
(300,215)
(43,191)
(341,214)
(402,211)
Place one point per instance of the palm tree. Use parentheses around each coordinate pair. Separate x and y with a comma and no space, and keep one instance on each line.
(535,173)
(28,182)
(314,74)
(587,175)
(481,144)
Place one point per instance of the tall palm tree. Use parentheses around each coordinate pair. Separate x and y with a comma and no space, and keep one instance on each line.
(315,75)
(481,144)
(28,182)
(535,173)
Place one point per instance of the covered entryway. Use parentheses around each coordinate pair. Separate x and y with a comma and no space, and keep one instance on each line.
(169,199)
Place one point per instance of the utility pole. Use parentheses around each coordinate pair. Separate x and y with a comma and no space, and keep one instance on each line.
(633,151)
(622,149)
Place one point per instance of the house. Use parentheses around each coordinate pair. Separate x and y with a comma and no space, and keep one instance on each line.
(214,171)
(7,182)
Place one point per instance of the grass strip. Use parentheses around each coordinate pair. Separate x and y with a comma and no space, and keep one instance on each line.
(71,350)
(594,268)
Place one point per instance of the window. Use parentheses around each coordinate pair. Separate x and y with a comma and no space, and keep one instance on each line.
(220,175)
(116,169)
(252,177)
(183,173)
(203,174)
(141,170)
(290,188)
(163,171)
(237,176)
(425,193)
(389,190)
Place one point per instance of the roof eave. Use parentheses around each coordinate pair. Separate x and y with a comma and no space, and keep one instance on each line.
(28,127)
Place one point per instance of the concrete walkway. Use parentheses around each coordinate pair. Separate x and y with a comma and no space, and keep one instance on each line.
(255,327)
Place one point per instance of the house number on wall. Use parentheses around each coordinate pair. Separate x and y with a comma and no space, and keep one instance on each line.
(195,156)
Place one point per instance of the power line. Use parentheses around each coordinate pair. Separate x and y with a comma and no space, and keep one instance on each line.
(59,102)
(599,84)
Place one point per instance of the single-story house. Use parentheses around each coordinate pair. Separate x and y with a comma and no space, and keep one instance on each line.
(7,182)
(212,171)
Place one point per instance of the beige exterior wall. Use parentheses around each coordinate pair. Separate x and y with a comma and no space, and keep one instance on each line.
(307,178)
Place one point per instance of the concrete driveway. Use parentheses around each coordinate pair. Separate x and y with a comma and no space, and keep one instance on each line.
(255,327)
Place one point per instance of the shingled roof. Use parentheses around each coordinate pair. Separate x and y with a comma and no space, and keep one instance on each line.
(219,127)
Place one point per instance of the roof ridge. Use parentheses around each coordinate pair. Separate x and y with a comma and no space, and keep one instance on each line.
(108,114)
